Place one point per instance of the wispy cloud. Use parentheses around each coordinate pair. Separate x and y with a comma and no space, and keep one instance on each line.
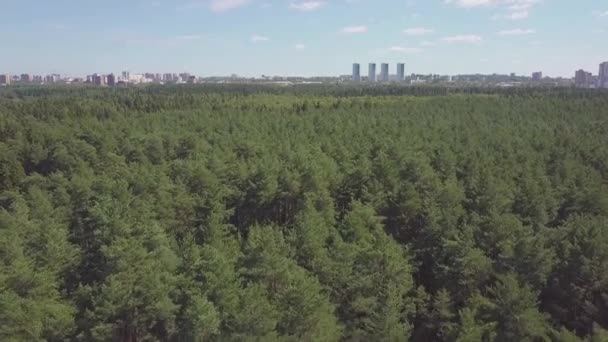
(516,32)
(226,5)
(600,13)
(519,15)
(403,49)
(427,43)
(417,31)
(354,29)
(257,38)
(307,5)
(217,6)
(516,9)
(471,3)
(469,38)
(299,47)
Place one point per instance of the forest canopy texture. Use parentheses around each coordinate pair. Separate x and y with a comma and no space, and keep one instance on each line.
(312,213)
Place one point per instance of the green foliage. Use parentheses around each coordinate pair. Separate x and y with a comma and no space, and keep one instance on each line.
(305,213)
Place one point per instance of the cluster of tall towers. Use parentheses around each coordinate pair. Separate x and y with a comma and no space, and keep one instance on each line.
(384,75)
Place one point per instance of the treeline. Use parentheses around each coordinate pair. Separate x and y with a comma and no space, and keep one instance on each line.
(328,89)
(256,213)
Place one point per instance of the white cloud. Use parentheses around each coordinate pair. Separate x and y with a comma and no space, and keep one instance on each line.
(427,43)
(226,5)
(601,13)
(471,3)
(214,5)
(516,9)
(403,49)
(470,38)
(417,31)
(354,29)
(514,5)
(257,38)
(518,15)
(516,32)
(307,5)
(299,47)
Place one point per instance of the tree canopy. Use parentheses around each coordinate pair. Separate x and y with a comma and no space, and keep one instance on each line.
(306,213)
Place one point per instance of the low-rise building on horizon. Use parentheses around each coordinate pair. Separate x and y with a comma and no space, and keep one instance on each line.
(583,79)
(603,76)
(5,79)
(111,80)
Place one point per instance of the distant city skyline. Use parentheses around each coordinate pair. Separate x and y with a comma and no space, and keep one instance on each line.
(302,37)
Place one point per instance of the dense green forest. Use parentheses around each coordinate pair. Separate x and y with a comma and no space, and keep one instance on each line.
(311,213)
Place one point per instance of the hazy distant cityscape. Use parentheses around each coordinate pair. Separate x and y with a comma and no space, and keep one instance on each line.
(581,78)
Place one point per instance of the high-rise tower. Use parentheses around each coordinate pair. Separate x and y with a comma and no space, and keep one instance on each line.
(372,72)
(356,72)
(384,72)
(400,72)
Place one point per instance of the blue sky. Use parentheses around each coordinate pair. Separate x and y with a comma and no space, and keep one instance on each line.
(302,37)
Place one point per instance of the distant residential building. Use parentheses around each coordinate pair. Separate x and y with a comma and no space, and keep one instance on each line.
(583,79)
(126,76)
(111,80)
(191,79)
(37,79)
(25,78)
(400,72)
(97,80)
(384,72)
(603,75)
(5,79)
(135,78)
(372,72)
(537,76)
(356,72)
(184,77)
